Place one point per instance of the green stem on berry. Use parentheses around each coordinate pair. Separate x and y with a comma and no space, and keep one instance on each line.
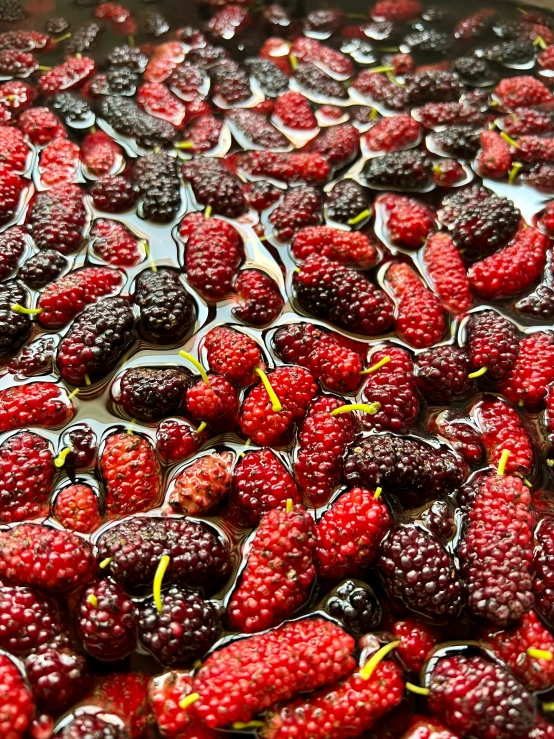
(417,689)
(373,114)
(62,38)
(238,725)
(360,217)
(201,428)
(381,69)
(42,68)
(26,311)
(130,427)
(514,172)
(509,139)
(494,104)
(370,408)
(547,706)
(93,600)
(73,394)
(60,459)
(188,700)
(521,403)
(156,150)
(478,373)
(184,145)
(208,211)
(503,462)
(527,483)
(275,402)
(392,78)
(377,493)
(288,505)
(92,129)
(246,445)
(163,564)
(196,363)
(368,669)
(540,42)
(550,462)
(105,563)
(376,366)
(131,41)
(361,16)
(146,246)
(390,49)
(87,380)
(293,62)
(545,654)
(492,125)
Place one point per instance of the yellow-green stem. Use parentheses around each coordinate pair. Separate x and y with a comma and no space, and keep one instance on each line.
(163,564)
(368,669)
(196,363)
(370,408)
(275,402)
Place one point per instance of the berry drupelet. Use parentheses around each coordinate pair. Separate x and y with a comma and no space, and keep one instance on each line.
(167,310)
(156,178)
(148,394)
(202,485)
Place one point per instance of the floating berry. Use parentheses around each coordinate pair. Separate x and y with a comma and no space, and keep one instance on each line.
(101,155)
(269,411)
(502,429)
(113,194)
(262,483)
(447,273)
(16,706)
(392,134)
(408,221)
(532,371)
(391,383)
(442,374)
(202,485)
(178,440)
(231,683)
(518,92)
(493,343)
(323,440)
(214,186)
(497,551)
(494,160)
(131,473)
(14,150)
(41,126)
(29,620)
(259,297)
(114,243)
(67,75)
(106,621)
(299,209)
(349,534)
(462,435)
(167,310)
(288,167)
(279,571)
(58,677)
(62,300)
(233,354)
(44,404)
(154,98)
(417,640)
(59,162)
(352,248)
(57,218)
(26,474)
(340,144)
(38,556)
(77,508)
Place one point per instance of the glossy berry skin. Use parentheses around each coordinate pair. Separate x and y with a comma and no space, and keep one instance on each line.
(350,533)
(12,187)
(400,170)
(26,475)
(460,432)
(233,354)
(202,485)
(279,571)
(456,682)
(323,440)
(347,709)
(419,574)
(485,225)
(517,92)
(325,354)
(42,268)
(54,560)
(216,403)
(338,144)
(43,404)
(28,619)
(442,374)
(356,606)
(423,727)
(57,218)
(213,253)
(447,273)
(106,621)
(351,248)
(216,186)
(232,682)
(502,429)
(197,556)
(393,386)
(259,298)
(41,125)
(497,551)
(408,466)
(76,508)
(408,221)
(12,247)
(493,342)
(288,167)
(16,705)
(299,209)
(113,194)
(543,581)
(177,440)
(392,134)
(294,387)
(511,645)
(532,372)
(58,677)
(347,298)
(62,300)
(167,310)
(96,340)
(131,474)
(512,269)
(261,482)
(148,393)
(15,328)
(417,640)
(164,695)
(115,244)
(88,725)
(494,160)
